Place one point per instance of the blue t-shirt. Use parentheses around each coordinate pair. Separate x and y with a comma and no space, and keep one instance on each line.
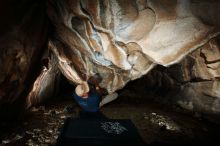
(90,104)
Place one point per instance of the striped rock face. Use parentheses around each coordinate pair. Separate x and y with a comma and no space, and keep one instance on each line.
(123,40)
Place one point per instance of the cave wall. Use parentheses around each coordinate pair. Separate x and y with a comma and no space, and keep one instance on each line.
(193,83)
(23,41)
(120,40)
(200,79)
(123,41)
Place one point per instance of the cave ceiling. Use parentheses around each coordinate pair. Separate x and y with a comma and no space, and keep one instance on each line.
(121,40)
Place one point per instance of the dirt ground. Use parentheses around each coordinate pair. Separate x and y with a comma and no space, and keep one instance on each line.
(157,124)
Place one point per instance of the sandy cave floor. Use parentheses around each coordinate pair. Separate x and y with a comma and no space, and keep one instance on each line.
(156,123)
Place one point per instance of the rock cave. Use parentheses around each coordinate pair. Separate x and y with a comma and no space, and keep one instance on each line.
(161,58)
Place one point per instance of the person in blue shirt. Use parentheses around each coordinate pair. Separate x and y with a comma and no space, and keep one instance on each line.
(89,97)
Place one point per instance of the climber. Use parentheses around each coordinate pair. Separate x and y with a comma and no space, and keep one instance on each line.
(88,95)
